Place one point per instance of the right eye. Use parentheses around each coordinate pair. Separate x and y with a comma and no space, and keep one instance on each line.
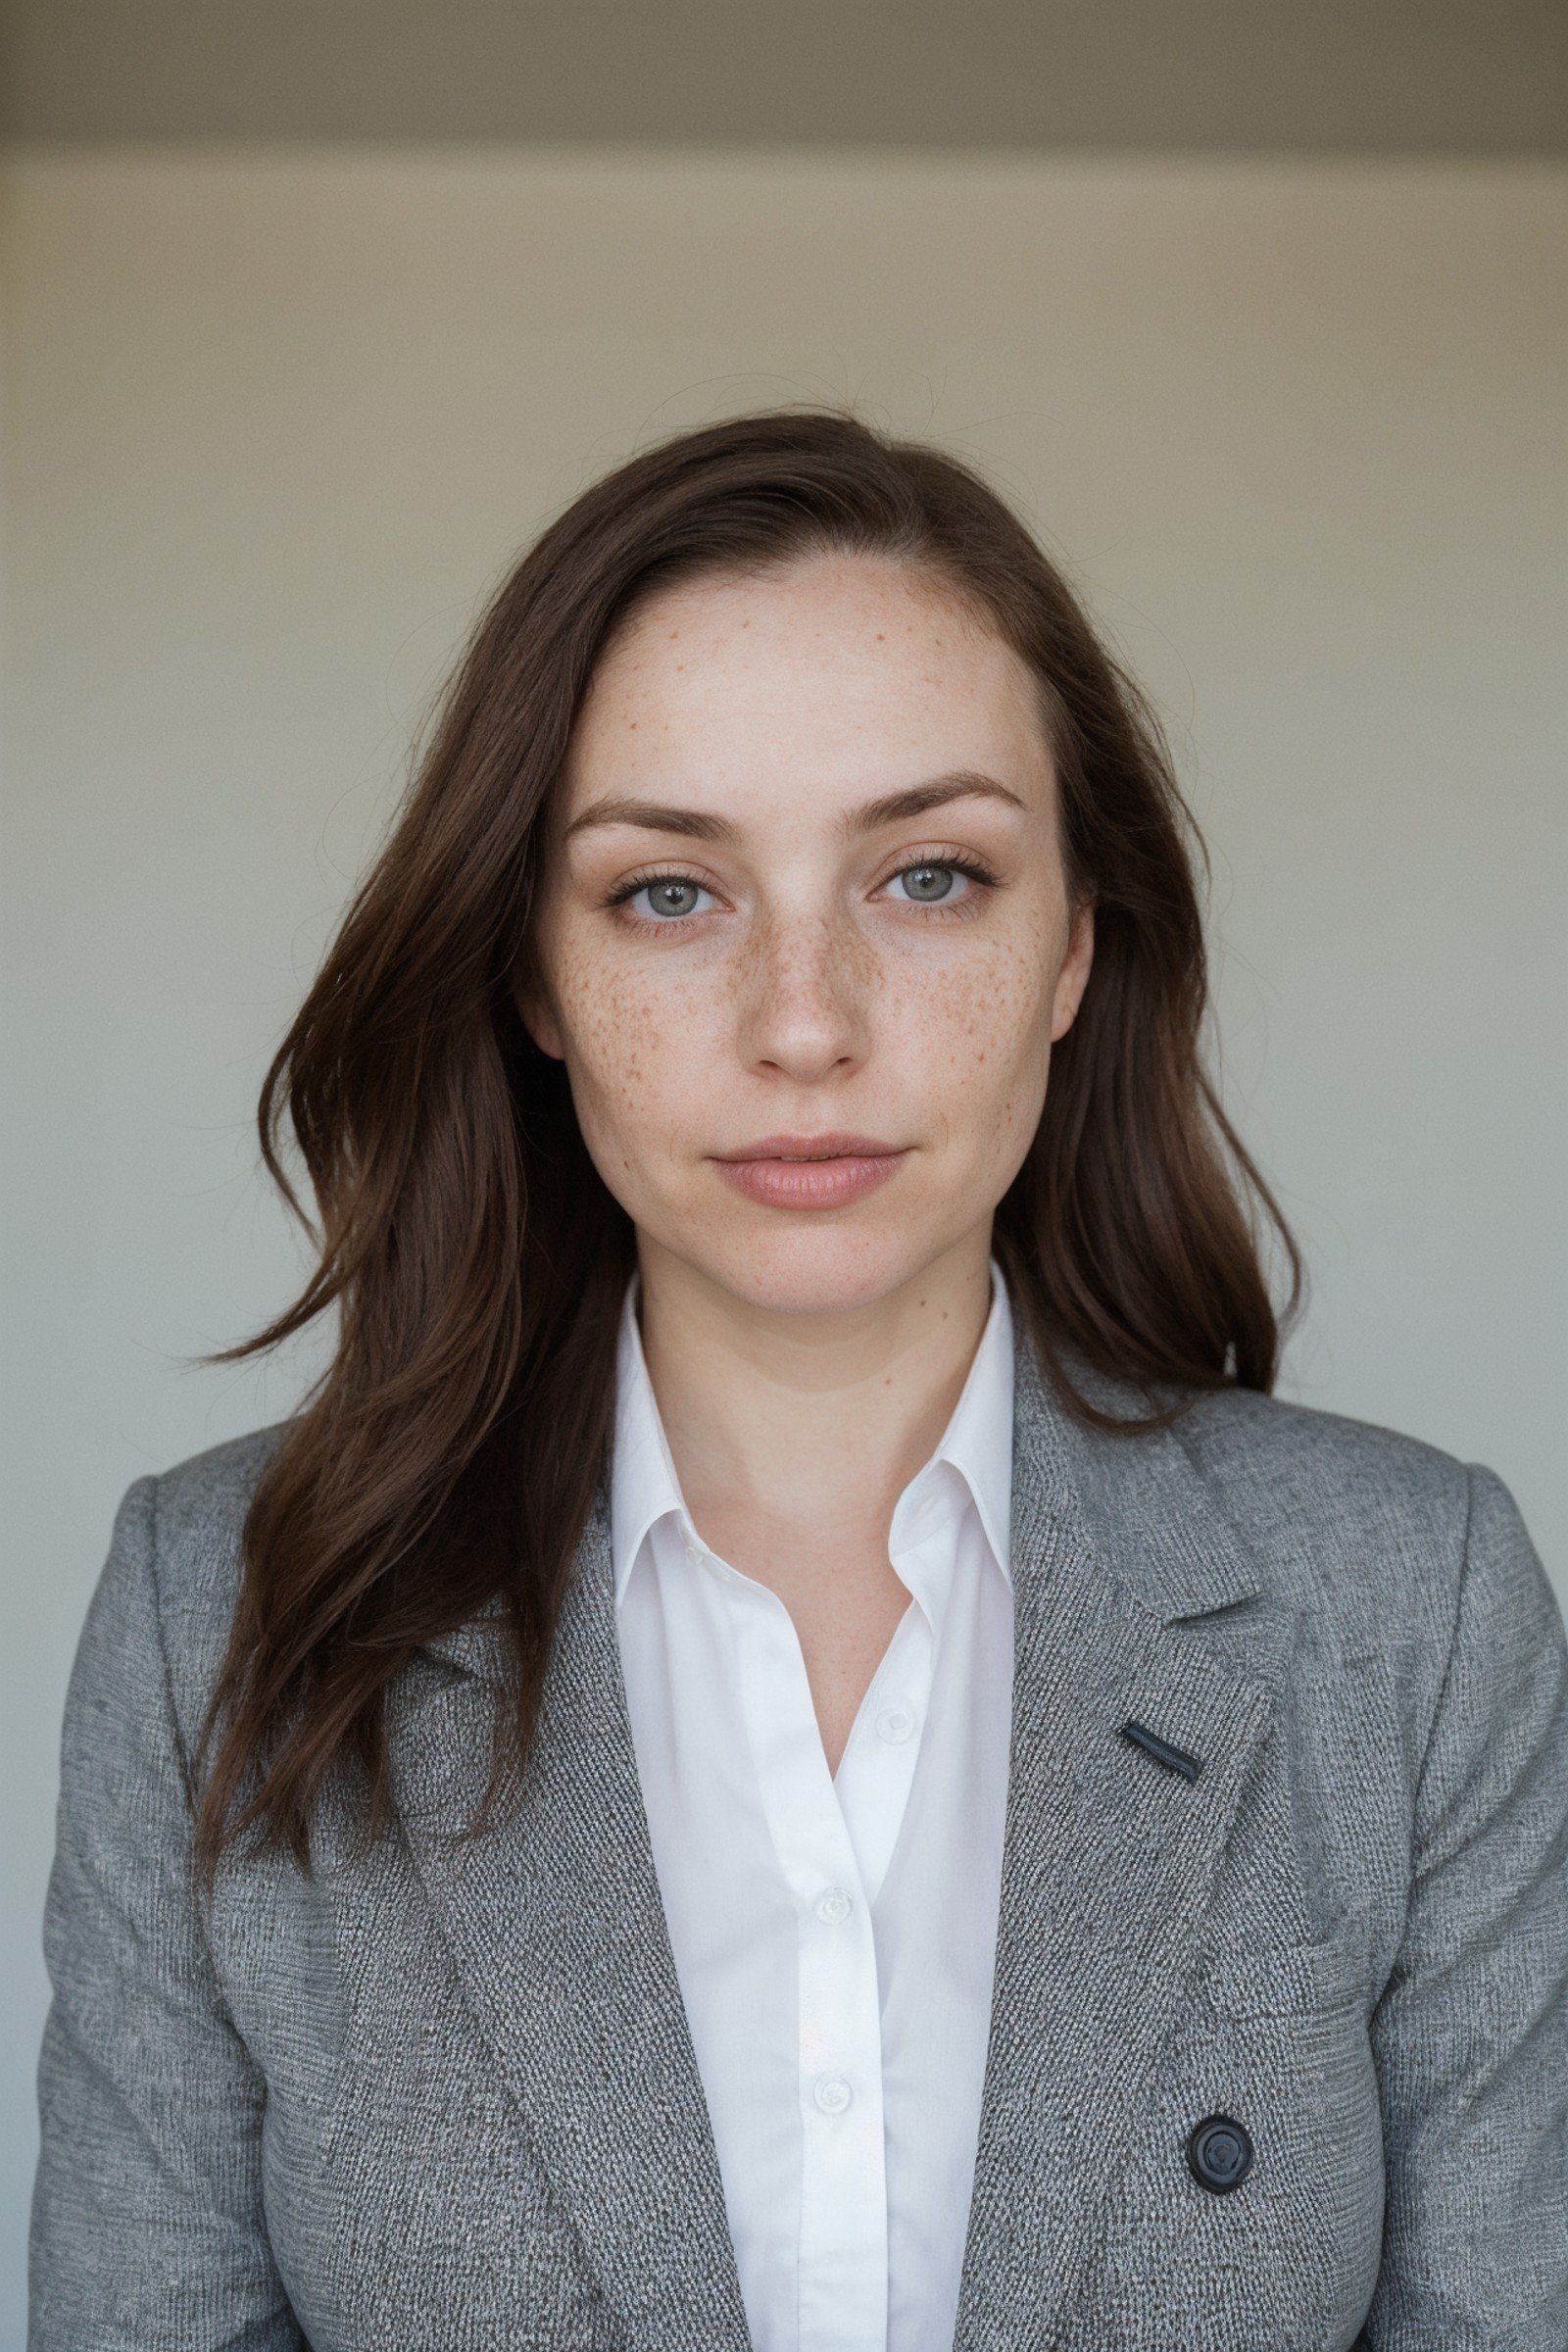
(664,898)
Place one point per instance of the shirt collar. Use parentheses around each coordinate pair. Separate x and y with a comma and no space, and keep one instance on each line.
(643,1484)
(975,1448)
(977,1442)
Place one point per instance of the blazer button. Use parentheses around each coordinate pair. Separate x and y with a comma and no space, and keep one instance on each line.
(1220,2153)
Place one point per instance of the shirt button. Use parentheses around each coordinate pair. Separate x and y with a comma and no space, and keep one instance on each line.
(832,2093)
(834,1904)
(894,1724)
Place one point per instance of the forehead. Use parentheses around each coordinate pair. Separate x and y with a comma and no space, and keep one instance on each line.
(835,676)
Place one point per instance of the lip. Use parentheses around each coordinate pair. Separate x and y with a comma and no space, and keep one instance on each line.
(809,1171)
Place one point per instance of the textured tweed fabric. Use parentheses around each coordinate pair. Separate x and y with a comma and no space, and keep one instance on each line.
(442,2093)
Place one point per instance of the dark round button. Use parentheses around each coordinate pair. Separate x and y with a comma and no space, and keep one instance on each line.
(1220,2153)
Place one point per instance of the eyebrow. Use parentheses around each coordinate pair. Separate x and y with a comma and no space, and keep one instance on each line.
(891,808)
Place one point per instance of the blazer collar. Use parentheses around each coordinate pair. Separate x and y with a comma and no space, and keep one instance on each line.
(1138,1498)
(556,1928)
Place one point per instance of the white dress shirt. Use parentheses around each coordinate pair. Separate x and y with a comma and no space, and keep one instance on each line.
(834,1934)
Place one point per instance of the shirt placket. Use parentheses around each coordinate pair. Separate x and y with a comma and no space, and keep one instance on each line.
(842,2274)
(876,1771)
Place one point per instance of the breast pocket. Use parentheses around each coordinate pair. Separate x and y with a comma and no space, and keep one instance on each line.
(1294,1980)
(1278,2040)
(1251,2208)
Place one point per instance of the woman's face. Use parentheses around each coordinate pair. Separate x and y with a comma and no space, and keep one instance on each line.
(802,893)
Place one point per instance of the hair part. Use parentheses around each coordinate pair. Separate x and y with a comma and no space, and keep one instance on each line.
(448,1458)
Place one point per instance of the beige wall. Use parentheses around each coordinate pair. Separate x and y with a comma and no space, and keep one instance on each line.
(273,425)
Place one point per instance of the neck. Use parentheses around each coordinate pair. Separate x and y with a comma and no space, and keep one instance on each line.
(812,1423)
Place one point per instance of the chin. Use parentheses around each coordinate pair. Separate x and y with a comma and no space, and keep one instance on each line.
(825,1267)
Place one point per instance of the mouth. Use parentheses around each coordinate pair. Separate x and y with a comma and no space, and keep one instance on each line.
(814,1172)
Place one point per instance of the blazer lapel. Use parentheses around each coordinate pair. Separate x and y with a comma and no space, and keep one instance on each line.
(1108,1854)
(556,1925)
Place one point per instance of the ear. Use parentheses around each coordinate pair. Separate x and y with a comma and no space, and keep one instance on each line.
(538,1017)
(1073,977)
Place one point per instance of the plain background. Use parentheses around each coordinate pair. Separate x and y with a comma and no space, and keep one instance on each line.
(276,416)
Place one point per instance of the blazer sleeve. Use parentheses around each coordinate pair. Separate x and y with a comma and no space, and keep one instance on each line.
(147,2223)
(1470,2035)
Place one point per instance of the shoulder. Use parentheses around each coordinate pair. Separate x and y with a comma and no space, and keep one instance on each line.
(1352,1538)
(1325,1501)
(172,1575)
(1389,1545)
(1285,1470)
(1314,1499)
(198,1508)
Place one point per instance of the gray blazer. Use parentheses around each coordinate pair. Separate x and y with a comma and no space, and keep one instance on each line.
(444,2096)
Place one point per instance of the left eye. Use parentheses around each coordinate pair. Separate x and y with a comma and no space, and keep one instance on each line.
(669,895)
(926,884)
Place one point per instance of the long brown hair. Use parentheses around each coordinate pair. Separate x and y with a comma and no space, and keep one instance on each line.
(447,1459)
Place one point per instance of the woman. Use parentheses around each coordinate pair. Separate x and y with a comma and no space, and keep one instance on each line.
(790,1748)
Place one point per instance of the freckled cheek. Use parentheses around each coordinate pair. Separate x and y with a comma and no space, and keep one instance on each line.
(985,1023)
(631,1039)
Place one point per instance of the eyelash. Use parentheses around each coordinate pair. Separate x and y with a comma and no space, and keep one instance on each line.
(629,890)
(956,864)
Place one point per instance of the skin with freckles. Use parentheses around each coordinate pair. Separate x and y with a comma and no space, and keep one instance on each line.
(801,876)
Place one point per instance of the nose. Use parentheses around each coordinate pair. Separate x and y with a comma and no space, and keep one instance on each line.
(804,994)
